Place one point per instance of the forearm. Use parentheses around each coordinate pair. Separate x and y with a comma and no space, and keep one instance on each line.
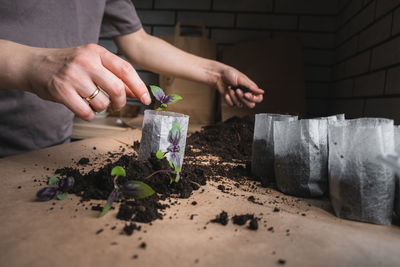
(14,61)
(154,54)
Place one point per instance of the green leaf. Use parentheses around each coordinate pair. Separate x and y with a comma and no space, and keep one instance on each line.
(160,154)
(176,126)
(157,91)
(62,196)
(143,190)
(159,109)
(53,180)
(164,105)
(118,171)
(106,208)
(175,98)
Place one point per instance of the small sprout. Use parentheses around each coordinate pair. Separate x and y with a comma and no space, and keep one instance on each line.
(58,188)
(162,98)
(118,170)
(126,189)
(53,180)
(62,196)
(160,154)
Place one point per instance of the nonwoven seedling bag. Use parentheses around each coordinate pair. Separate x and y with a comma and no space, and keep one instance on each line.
(361,186)
(397,151)
(262,158)
(155,129)
(301,157)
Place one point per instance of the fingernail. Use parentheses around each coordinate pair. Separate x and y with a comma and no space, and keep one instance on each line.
(145,99)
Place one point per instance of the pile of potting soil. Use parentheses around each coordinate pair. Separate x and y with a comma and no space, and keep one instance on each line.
(97,184)
(230,141)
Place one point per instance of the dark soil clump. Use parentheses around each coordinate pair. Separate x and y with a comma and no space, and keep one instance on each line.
(130,228)
(253,224)
(221,218)
(242,219)
(83,161)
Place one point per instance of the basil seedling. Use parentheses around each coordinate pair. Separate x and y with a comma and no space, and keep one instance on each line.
(164,100)
(174,136)
(125,189)
(58,188)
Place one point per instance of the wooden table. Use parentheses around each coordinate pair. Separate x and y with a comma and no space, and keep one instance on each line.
(39,234)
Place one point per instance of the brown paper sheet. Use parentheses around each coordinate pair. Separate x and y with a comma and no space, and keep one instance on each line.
(33,235)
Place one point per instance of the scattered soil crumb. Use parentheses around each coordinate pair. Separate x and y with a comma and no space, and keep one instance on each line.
(83,161)
(99,231)
(143,245)
(242,219)
(253,224)
(130,228)
(221,218)
(253,199)
(281,261)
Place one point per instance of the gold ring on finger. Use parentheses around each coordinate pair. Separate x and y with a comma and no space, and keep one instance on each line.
(95,93)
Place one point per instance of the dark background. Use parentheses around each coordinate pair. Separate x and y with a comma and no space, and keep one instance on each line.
(351,47)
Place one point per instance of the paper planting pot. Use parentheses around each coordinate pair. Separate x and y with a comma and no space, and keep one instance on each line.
(397,150)
(301,157)
(361,186)
(155,130)
(262,158)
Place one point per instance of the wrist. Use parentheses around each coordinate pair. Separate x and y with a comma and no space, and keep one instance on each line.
(14,69)
(214,72)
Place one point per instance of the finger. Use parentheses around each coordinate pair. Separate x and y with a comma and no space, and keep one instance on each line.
(240,95)
(129,92)
(73,101)
(114,87)
(234,98)
(228,100)
(99,102)
(83,86)
(244,80)
(254,98)
(124,71)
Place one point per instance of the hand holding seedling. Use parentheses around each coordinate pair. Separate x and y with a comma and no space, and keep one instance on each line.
(164,100)
(59,188)
(125,189)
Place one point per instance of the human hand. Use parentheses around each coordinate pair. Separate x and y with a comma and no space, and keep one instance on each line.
(70,75)
(238,89)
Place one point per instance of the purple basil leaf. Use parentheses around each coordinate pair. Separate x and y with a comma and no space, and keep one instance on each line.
(174,134)
(136,189)
(47,193)
(66,184)
(167,99)
(157,92)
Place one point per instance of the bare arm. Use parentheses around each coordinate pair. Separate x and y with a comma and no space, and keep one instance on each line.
(68,75)
(152,53)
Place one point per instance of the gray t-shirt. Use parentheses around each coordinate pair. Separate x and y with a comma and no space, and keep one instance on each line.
(28,122)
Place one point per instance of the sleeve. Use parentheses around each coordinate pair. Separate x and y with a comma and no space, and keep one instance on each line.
(119,18)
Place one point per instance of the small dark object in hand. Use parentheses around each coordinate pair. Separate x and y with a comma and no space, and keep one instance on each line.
(241,87)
